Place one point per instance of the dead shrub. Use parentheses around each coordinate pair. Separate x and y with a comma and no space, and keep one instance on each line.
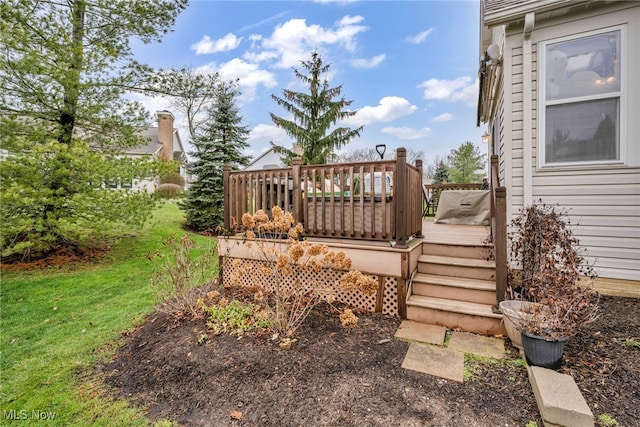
(181,279)
(289,263)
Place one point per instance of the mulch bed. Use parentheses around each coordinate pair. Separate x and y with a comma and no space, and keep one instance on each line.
(337,377)
(604,360)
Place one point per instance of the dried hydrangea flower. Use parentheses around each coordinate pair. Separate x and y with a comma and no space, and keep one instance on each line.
(348,319)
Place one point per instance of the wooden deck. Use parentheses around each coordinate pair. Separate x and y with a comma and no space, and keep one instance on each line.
(455,234)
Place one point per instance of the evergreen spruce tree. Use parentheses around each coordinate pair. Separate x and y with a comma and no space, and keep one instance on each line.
(221,141)
(441,175)
(314,114)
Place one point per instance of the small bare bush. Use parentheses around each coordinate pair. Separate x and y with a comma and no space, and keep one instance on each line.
(547,267)
(290,263)
(179,279)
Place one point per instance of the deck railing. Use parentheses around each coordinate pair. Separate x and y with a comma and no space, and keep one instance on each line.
(369,201)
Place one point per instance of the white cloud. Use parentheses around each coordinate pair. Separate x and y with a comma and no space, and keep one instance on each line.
(368,63)
(389,108)
(444,117)
(406,133)
(350,20)
(206,45)
(261,56)
(250,76)
(292,41)
(420,37)
(151,104)
(460,89)
(154,104)
(268,133)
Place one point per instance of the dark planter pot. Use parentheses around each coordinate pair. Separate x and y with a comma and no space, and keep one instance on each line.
(542,352)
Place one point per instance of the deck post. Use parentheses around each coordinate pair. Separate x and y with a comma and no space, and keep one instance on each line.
(500,243)
(419,213)
(226,197)
(400,197)
(297,190)
(402,298)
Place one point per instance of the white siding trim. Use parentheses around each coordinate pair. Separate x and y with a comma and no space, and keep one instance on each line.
(527,106)
(506,147)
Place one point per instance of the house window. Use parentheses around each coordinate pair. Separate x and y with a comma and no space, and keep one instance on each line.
(581,88)
(126,183)
(111,182)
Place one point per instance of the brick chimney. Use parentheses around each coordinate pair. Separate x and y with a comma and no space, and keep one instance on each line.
(165,134)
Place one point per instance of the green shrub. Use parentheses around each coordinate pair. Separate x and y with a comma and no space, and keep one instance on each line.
(236,317)
(169,191)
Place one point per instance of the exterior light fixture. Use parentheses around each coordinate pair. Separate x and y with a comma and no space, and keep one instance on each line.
(493,56)
(486,138)
(381,148)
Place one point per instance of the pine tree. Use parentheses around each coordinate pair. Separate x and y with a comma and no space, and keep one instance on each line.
(222,141)
(314,114)
(64,68)
(465,162)
(441,175)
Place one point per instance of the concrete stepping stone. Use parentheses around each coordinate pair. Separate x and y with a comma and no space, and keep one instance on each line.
(421,332)
(438,361)
(559,399)
(477,344)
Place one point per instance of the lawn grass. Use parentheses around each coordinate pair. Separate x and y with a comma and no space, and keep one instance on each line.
(56,325)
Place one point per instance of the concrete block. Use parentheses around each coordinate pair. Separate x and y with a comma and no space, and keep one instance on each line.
(477,344)
(421,332)
(437,361)
(559,399)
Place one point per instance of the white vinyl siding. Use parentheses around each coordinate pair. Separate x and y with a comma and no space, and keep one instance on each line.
(603,201)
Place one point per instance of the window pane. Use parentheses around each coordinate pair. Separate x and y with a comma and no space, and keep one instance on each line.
(111,183)
(586,66)
(125,183)
(582,131)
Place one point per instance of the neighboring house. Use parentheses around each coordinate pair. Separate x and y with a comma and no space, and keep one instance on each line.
(560,94)
(163,142)
(267,160)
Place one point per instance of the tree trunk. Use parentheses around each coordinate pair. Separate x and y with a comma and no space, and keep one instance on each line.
(72,79)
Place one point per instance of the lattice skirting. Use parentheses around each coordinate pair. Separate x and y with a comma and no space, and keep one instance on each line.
(245,272)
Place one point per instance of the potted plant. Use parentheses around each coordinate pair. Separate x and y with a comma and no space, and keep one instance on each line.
(548,298)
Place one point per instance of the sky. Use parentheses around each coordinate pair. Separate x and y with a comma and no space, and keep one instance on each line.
(409,67)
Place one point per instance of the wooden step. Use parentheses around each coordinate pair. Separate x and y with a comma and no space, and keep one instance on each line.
(457,250)
(467,316)
(455,288)
(457,267)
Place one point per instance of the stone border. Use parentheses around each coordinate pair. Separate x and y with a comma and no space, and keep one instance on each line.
(559,400)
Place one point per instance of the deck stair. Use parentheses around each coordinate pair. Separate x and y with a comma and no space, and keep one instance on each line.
(455,282)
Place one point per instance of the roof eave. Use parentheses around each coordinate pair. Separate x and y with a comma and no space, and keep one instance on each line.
(518,11)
